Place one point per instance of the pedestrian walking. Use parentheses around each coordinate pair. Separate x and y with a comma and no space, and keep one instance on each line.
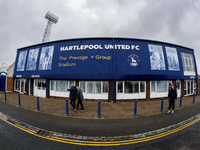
(80,98)
(172,98)
(72,95)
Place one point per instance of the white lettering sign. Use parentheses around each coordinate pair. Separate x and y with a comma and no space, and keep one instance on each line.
(35,76)
(100,47)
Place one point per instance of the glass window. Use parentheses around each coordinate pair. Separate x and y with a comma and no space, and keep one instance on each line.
(132,87)
(120,87)
(98,87)
(44,84)
(53,84)
(39,84)
(153,86)
(135,86)
(82,85)
(61,86)
(188,88)
(71,82)
(25,87)
(128,87)
(195,87)
(142,86)
(36,83)
(95,87)
(161,86)
(17,84)
(105,87)
(90,87)
(58,86)
(192,88)
(185,87)
(178,85)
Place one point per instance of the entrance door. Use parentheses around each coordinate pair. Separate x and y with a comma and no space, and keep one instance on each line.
(40,87)
(23,86)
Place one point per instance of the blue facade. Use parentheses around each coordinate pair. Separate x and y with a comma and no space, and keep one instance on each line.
(104,59)
(2,82)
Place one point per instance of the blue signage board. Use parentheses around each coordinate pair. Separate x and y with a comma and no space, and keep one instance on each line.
(105,59)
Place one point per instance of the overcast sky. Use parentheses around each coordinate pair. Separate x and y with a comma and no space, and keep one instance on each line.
(173,21)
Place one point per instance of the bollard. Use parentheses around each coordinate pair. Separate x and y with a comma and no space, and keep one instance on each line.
(135,110)
(194,98)
(19,103)
(180,101)
(67,110)
(161,110)
(38,105)
(99,109)
(5,97)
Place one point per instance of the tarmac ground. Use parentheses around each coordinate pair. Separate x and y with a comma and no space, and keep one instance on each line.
(117,126)
(109,110)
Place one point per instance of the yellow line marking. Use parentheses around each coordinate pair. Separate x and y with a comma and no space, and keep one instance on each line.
(95,143)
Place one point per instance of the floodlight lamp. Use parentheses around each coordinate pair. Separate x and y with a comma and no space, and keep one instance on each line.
(51,17)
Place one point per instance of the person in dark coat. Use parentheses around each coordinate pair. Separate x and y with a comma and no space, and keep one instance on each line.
(172,98)
(72,95)
(80,98)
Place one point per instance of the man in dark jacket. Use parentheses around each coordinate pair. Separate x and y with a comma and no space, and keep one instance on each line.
(172,98)
(80,98)
(72,96)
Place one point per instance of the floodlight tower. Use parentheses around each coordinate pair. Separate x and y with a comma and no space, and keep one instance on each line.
(51,19)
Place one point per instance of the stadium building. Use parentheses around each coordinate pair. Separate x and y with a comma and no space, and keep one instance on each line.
(105,68)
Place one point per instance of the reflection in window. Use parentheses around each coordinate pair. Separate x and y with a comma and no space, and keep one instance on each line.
(98,87)
(82,85)
(189,87)
(142,86)
(161,86)
(61,85)
(153,86)
(94,87)
(120,87)
(53,83)
(90,87)
(40,84)
(131,86)
(105,87)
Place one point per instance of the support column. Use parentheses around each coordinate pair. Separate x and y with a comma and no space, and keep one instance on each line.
(77,82)
(148,90)
(111,91)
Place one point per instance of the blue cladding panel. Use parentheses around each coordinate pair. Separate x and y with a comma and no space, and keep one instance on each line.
(102,58)
(2,82)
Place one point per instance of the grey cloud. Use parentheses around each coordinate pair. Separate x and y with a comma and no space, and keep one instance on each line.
(173,21)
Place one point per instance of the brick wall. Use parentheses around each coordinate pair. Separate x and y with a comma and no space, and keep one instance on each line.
(9,84)
(111,90)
